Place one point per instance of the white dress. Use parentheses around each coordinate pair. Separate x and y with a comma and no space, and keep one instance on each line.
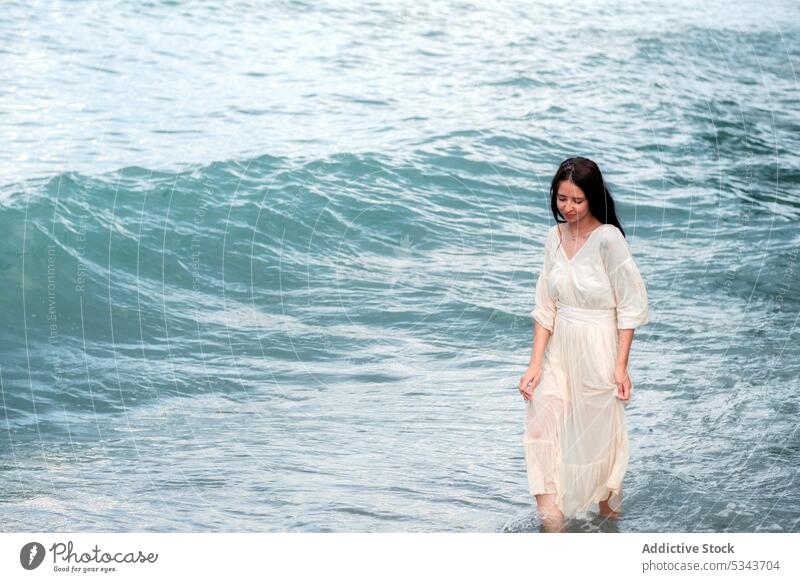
(575,437)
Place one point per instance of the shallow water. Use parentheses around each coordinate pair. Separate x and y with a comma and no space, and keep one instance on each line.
(269,268)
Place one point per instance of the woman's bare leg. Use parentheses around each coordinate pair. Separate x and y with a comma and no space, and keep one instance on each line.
(606,511)
(543,422)
(549,513)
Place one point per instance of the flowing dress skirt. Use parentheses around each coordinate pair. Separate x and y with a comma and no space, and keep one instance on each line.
(575,437)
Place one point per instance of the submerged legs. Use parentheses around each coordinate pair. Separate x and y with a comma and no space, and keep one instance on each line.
(544,419)
(549,513)
(605,508)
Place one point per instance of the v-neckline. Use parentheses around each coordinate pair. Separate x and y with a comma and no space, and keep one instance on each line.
(586,242)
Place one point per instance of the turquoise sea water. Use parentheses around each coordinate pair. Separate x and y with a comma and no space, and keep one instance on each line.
(268,267)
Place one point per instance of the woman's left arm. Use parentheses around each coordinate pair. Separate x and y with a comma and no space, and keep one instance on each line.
(621,377)
(631,303)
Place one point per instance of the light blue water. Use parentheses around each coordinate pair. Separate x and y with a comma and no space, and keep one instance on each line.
(269,268)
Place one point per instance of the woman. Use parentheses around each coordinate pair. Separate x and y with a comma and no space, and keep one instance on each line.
(589,298)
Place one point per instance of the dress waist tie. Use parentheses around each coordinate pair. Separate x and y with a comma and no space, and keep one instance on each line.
(586,315)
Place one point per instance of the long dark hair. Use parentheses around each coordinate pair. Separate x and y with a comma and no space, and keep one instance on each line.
(585,174)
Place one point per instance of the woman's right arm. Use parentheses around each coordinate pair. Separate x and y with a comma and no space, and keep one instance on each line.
(533,374)
(543,313)
(540,336)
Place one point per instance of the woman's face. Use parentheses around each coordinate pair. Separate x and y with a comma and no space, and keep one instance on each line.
(571,202)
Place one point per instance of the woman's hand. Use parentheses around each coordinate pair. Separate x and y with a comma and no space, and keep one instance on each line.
(530,380)
(623,382)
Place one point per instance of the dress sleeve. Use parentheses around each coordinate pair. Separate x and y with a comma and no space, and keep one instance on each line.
(626,281)
(544,310)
